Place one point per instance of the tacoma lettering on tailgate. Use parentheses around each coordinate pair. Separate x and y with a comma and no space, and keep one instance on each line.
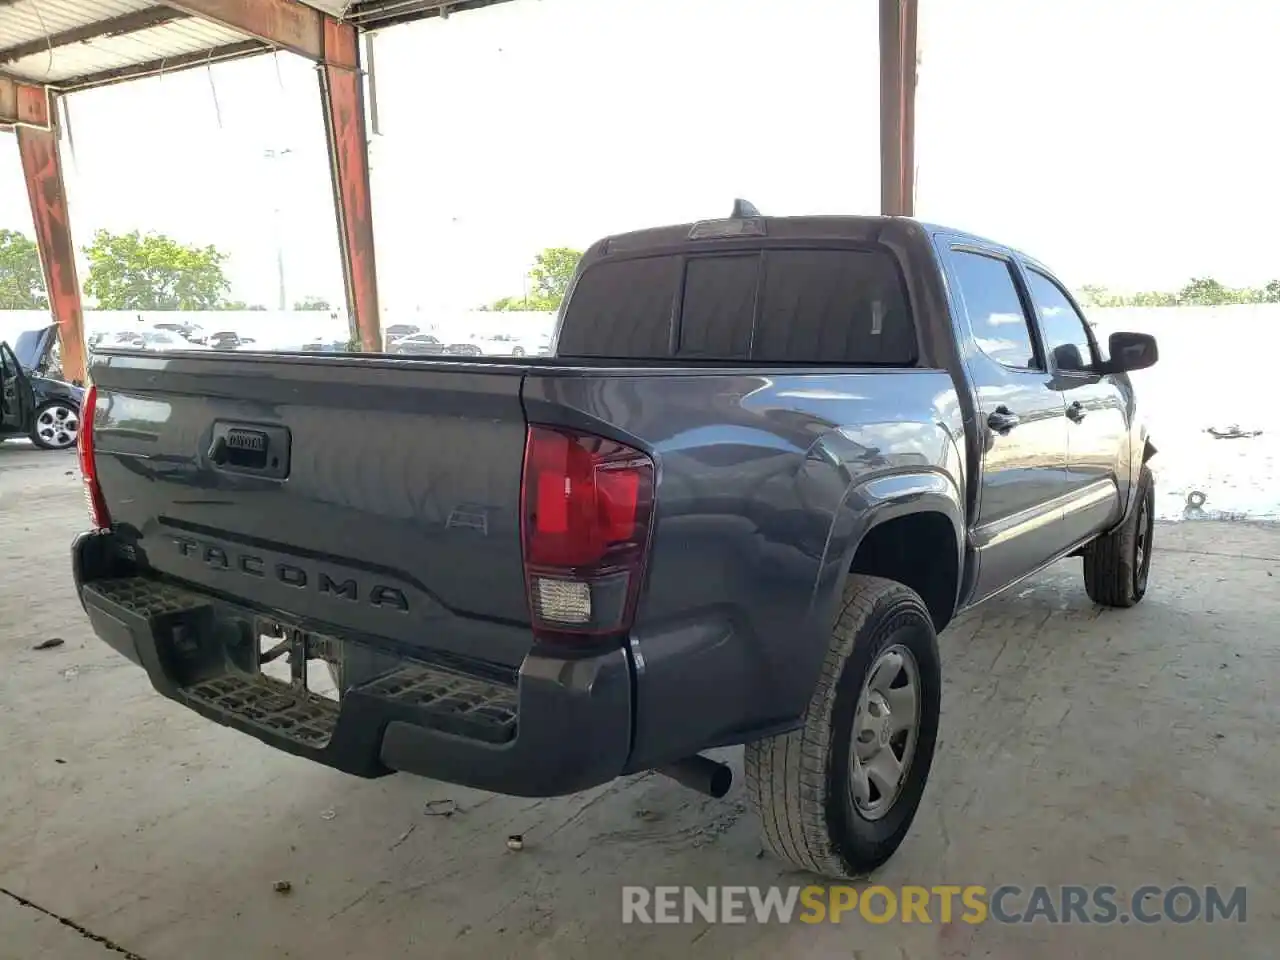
(340,586)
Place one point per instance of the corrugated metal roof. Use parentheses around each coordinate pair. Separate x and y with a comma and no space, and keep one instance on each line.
(34,19)
(335,8)
(66,63)
(75,43)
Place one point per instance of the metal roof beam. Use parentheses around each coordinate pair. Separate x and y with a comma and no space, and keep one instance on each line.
(151,68)
(114,27)
(24,104)
(286,24)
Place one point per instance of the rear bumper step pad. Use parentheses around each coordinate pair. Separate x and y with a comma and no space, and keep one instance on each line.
(564,726)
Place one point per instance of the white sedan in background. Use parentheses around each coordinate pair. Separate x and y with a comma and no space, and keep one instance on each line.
(507,345)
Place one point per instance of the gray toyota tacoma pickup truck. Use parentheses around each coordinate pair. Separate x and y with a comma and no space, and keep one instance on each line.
(769,460)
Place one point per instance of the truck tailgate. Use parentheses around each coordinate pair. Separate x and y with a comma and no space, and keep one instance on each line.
(378,498)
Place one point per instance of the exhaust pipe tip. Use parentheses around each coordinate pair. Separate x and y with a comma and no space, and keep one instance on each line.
(707,776)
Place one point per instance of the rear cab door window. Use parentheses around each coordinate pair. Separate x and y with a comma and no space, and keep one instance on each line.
(994,308)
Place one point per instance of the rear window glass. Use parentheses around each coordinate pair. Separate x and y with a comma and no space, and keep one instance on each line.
(718,307)
(835,306)
(622,308)
(772,306)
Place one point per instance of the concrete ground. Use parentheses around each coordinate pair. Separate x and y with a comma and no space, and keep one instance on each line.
(1079,746)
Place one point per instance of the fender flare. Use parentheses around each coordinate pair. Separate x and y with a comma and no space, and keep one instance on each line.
(1136,464)
(869,503)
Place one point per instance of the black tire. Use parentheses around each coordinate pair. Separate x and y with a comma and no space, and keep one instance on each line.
(45,433)
(800,782)
(1118,565)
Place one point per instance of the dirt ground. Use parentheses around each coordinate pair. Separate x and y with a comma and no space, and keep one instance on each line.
(1079,746)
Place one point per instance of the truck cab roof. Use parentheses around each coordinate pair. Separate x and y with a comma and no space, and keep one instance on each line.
(799,229)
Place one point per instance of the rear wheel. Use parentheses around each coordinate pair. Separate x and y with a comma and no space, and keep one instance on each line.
(56,425)
(1118,565)
(837,796)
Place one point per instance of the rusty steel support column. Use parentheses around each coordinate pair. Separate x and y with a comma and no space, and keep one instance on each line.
(898,52)
(24,104)
(42,169)
(342,98)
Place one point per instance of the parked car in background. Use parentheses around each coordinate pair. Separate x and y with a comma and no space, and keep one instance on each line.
(318,344)
(148,339)
(228,340)
(123,340)
(192,332)
(398,331)
(418,344)
(463,350)
(44,408)
(504,345)
(166,340)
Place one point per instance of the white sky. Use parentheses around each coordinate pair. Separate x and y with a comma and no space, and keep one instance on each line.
(1127,142)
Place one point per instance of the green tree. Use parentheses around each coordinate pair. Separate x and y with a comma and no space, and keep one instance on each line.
(21,279)
(548,281)
(1201,291)
(1153,298)
(135,271)
(1205,291)
(1093,295)
(312,302)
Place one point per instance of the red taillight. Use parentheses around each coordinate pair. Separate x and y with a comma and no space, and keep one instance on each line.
(587,506)
(88,467)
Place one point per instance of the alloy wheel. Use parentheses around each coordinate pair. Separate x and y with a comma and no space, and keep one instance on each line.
(58,425)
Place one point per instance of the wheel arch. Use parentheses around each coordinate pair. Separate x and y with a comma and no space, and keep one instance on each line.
(907,527)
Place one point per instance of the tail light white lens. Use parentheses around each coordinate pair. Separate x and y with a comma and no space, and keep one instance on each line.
(88,466)
(588,503)
(562,601)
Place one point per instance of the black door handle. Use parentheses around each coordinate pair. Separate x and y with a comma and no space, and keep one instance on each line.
(1075,411)
(1002,419)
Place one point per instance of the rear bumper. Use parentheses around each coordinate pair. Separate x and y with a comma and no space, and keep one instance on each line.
(562,725)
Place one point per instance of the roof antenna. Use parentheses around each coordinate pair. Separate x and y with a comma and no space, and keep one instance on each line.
(742,209)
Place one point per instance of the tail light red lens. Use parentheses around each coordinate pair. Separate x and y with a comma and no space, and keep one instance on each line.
(88,466)
(588,504)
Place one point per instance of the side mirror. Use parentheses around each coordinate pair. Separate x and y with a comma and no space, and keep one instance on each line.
(1131,351)
(1066,358)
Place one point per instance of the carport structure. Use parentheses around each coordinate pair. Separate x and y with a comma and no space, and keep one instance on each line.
(51,48)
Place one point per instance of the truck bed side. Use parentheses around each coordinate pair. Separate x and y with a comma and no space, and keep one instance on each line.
(768,479)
